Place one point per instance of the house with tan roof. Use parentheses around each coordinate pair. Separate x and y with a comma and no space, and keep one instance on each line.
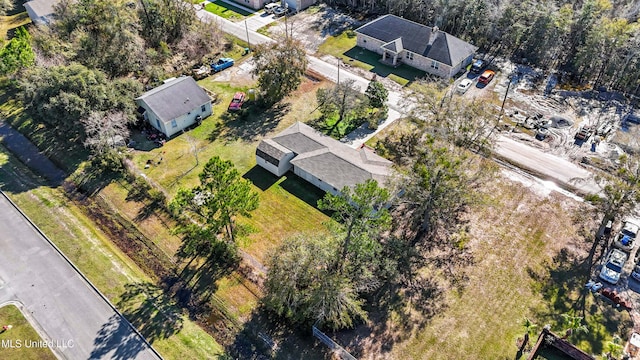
(423,47)
(321,160)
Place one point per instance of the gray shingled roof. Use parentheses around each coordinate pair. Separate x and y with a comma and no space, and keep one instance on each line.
(175,98)
(272,148)
(330,160)
(420,39)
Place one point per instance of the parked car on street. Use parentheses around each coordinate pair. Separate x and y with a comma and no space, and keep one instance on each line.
(237,101)
(464,85)
(270,7)
(478,65)
(486,77)
(279,11)
(222,64)
(625,240)
(612,269)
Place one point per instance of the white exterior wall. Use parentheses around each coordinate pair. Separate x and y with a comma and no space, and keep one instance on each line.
(419,62)
(299,5)
(284,164)
(268,166)
(369,43)
(424,64)
(254,4)
(182,122)
(315,181)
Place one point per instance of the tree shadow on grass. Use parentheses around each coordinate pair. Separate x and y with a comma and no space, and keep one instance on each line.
(250,123)
(150,310)
(302,189)
(260,177)
(267,336)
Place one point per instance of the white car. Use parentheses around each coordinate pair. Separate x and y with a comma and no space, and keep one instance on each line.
(612,269)
(464,86)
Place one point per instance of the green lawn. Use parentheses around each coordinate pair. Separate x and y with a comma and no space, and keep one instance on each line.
(344,47)
(16,340)
(11,22)
(521,268)
(108,268)
(235,137)
(226,11)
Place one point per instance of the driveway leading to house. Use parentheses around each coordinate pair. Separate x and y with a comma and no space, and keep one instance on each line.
(548,165)
(66,310)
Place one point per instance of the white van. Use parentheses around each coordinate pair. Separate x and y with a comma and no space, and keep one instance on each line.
(269,8)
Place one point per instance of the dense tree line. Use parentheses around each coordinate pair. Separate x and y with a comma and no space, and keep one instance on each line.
(595,42)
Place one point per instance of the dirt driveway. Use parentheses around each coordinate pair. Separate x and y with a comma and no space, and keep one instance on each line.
(313,26)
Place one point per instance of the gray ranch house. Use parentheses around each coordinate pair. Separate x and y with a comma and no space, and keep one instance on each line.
(175,105)
(323,161)
(425,48)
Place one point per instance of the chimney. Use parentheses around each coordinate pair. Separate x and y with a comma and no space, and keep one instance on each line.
(434,35)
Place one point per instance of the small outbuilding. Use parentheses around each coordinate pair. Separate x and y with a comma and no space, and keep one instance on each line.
(174,106)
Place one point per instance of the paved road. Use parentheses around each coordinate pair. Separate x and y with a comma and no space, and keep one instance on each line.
(65,308)
(550,166)
(546,164)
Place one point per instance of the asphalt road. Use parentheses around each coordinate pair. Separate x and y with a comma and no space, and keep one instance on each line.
(60,303)
(549,165)
(546,165)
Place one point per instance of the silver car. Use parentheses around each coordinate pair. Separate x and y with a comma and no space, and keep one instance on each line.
(612,269)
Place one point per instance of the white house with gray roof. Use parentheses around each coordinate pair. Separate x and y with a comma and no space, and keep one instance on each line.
(426,48)
(323,161)
(175,105)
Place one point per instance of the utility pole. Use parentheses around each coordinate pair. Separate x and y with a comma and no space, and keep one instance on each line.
(338,70)
(246,27)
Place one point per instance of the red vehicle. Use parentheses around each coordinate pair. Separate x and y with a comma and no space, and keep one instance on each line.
(486,77)
(237,101)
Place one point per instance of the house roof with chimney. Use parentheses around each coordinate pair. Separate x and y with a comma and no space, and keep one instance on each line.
(174,98)
(399,33)
(327,159)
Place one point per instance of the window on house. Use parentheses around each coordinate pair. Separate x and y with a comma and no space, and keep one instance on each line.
(203,108)
(158,123)
(174,123)
(409,55)
(435,65)
(364,40)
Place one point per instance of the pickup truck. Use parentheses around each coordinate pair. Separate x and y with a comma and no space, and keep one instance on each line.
(222,64)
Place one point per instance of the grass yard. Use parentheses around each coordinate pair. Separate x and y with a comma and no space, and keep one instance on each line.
(344,47)
(226,11)
(10,22)
(287,205)
(525,265)
(20,335)
(99,259)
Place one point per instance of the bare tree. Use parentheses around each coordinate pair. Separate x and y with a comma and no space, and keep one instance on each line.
(104,131)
